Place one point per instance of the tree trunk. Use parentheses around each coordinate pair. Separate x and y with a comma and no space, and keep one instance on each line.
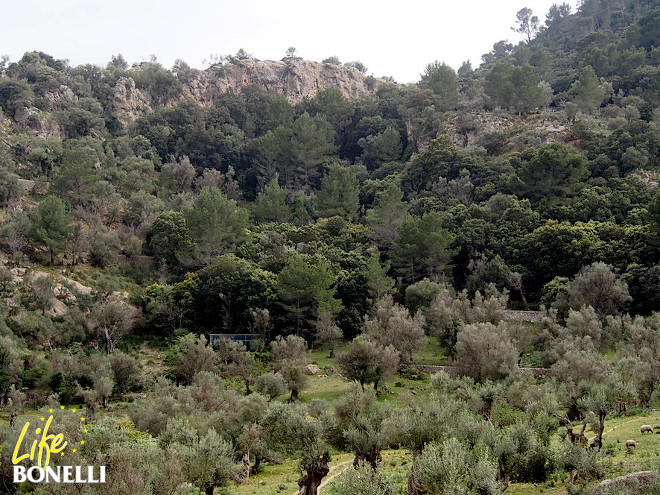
(209,490)
(317,468)
(245,466)
(90,411)
(374,458)
(507,481)
(597,442)
(294,395)
(577,438)
(524,299)
(257,464)
(622,408)
(414,487)
(646,398)
(310,486)
(109,344)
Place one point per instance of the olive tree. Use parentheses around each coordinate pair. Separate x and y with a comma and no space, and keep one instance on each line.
(362,422)
(454,467)
(366,361)
(208,462)
(189,356)
(391,325)
(485,351)
(598,286)
(289,356)
(289,429)
(113,320)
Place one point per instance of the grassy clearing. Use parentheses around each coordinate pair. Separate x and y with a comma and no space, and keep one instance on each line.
(433,353)
(621,460)
(330,386)
(528,489)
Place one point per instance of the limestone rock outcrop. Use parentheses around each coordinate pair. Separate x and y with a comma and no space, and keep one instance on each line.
(129,102)
(294,78)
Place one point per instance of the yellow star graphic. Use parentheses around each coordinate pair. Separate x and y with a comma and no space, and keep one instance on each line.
(50,410)
(82,442)
(85,430)
(74,451)
(82,419)
(62,453)
(42,419)
(73,410)
(61,407)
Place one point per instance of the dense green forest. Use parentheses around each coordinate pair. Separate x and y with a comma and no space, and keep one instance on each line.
(138,217)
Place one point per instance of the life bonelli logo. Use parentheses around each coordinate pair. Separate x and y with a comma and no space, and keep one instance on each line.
(42,455)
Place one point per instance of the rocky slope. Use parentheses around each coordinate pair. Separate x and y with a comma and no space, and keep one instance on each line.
(294,78)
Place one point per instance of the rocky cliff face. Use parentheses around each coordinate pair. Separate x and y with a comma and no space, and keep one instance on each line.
(296,79)
(130,102)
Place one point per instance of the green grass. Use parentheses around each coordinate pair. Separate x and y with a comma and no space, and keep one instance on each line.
(644,457)
(330,386)
(282,478)
(551,488)
(433,353)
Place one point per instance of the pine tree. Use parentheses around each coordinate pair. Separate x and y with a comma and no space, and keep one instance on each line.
(216,223)
(587,91)
(270,205)
(339,193)
(50,225)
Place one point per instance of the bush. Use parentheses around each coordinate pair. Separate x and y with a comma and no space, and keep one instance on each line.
(361,481)
(271,385)
(453,467)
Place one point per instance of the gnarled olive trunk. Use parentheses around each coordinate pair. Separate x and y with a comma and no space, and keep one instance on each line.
(294,395)
(373,457)
(317,468)
(597,442)
(577,438)
(257,464)
(414,485)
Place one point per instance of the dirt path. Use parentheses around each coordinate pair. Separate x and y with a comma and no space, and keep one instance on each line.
(334,472)
(624,423)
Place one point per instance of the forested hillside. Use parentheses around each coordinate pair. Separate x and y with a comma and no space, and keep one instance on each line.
(143,208)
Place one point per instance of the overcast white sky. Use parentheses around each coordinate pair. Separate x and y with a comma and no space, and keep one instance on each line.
(391,38)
